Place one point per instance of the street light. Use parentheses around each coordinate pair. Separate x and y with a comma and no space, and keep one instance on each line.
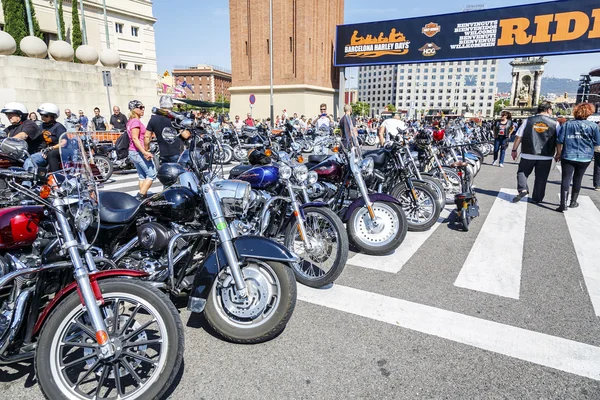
(271,58)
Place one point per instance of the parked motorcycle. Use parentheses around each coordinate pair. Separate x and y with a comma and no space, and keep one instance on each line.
(244,286)
(88,331)
(310,229)
(250,138)
(120,162)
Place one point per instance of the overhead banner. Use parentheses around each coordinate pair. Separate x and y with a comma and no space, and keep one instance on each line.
(558,27)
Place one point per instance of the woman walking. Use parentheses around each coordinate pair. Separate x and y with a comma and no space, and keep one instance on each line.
(502,131)
(138,148)
(575,147)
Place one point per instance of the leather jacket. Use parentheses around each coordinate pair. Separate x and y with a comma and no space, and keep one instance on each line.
(539,136)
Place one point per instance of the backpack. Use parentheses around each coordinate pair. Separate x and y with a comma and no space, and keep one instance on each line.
(122,145)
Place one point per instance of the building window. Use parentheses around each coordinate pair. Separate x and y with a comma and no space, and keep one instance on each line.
(118,27)
(291,44)
(123,65)
(268,47)
(138,67)
(135,31)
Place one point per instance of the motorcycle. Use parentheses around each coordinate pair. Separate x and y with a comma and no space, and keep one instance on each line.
(367,136)
(466,201)
(88,331)
(376,222)
(121,162)
(223,151)
(182,240)
(251,137)
(101,162)
(311,229)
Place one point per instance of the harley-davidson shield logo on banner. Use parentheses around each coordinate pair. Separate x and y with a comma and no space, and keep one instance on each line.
(431,29)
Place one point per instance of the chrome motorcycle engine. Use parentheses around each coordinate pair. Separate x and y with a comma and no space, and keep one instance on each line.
(321,190)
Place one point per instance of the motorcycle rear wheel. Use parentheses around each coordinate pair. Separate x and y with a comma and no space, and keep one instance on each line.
(240,154)
(465,219)
(263,314)
(145,320)
(371,140)
(425,214)
(105,167)
(365,237)
(327,233)
(224,155)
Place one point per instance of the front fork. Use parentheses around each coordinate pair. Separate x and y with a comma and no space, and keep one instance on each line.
(216,214)
(299,215)
(360,182)
(81,274)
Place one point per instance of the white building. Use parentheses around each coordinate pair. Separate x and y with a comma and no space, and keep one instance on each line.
(130,25)
(460,87)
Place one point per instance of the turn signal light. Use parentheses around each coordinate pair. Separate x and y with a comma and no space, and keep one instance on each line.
(102,337)
(45,191)
(268,153)
(300,159)
(335,149)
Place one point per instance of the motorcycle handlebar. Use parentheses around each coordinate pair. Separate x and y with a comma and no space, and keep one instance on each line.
(16,174)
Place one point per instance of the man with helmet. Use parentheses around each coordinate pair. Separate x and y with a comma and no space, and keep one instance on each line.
(23,128)
(51,132)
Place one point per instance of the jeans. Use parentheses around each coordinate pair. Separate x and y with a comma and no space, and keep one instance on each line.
(572,170)
(596,170)
(499,145)
(169,159)
(542,170)
(34,160)
(145,168)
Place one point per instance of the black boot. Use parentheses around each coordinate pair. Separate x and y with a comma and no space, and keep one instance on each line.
(563,202)
(574,203)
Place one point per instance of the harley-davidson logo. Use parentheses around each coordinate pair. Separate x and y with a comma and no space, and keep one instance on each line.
(431,29)
(429,49)
(540,127)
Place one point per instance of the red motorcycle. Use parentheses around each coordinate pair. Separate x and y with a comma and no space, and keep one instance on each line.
(91,334)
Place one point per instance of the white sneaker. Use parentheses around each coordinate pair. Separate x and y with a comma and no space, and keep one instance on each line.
(501,165)
(495,162)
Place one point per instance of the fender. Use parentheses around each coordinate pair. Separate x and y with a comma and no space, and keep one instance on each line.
(360,202)
(64,292)
(255,247)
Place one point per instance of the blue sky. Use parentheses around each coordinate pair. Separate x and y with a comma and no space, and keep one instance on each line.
(190,32)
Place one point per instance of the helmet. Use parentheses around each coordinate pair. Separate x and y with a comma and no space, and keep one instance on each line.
(258,157)
(439,134)
(423,139)
(133,104)
(49,109)
(169,172)
(16,108)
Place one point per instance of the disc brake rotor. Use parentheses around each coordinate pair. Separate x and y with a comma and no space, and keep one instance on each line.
(254,304)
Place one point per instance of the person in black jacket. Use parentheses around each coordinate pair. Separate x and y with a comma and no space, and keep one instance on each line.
(503,129)
(537,137)
(169,152)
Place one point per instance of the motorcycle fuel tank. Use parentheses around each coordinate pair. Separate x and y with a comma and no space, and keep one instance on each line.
(329,171)
(260,177)
(19,226)
(176,204)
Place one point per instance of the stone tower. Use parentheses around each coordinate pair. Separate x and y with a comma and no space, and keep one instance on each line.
(303,43)
(526,81)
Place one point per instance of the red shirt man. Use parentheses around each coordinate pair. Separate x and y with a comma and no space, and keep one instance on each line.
(249,121)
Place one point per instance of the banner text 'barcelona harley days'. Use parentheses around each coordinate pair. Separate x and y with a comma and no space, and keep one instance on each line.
(550,28)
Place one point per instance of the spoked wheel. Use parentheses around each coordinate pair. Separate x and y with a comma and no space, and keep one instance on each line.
(371,140)
(240,154)
(438,188)
(223,154)
(146,335)
(307,146)
(379,236)
(451,185)
(263,313)
(326,258)
(423,214)
(104,166)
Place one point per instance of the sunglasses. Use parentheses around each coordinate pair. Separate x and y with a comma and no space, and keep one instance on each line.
(142,107)
(45,116)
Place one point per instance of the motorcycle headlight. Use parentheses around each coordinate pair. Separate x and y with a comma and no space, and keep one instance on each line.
(366,166)
(84,217)
(301,173)
(285,172)
(235,196)
(312,178)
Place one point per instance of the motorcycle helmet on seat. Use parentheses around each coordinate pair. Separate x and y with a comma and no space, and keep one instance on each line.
(258,157)
(438,135)
(169,172)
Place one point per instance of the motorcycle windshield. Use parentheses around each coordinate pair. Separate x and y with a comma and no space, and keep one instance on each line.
(77,183)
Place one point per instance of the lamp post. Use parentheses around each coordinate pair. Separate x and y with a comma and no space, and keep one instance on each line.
(83,29)
(106,24)
(29,19)
(272,114)
(59,31)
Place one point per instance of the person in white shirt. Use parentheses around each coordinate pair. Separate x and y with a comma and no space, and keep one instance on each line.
(323,120)
(238,124)
(303,124)
(390,126)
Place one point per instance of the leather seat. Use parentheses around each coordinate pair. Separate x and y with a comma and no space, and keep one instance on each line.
(118,207)
(238,170)
(379,156)
(314,158)
(459,164)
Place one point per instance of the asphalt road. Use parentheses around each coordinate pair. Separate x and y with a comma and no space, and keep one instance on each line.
(405,327)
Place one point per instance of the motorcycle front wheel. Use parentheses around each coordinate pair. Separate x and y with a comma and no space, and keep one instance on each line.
(422,214)
(381,237)
(240,154)
(260,316)
(223,155)
(371,140)
(326,258)
(104,166)
(146,333)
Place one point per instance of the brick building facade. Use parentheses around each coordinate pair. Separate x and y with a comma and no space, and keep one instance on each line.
(208,83)
(303,43)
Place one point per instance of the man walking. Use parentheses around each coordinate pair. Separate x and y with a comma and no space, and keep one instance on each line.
(538,136)
(158,125)
(348,127)
(118,121)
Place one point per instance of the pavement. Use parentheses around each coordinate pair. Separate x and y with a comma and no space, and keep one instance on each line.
(508,310)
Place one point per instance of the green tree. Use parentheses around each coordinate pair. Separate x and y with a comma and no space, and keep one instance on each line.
(361,108)
(391,107)
(16,21)
(220,98)
(499,105)
(77,39)
(61,17)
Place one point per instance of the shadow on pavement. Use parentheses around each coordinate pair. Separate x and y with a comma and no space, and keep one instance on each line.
(14,372)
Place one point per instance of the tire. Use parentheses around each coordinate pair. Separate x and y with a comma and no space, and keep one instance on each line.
(104,166)
(305,269)
(451,188)
(437,186)
(371,140)
(357,229)
(240,154)
(426,197)
(224,156)
(465,220)
(239,330)
(307,146)
(52,376)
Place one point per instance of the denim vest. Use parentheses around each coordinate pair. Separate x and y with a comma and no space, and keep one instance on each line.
(578,138)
